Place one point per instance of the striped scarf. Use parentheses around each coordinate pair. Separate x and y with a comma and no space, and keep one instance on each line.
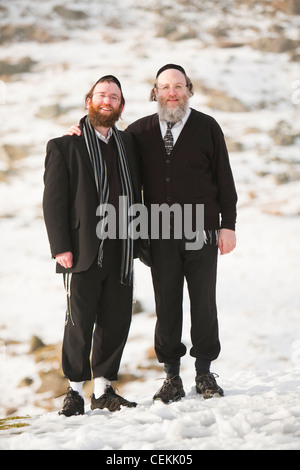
(99,166)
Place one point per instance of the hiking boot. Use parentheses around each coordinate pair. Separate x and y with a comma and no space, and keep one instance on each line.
(110,400)
(172,390)
(207,386)
(73,404)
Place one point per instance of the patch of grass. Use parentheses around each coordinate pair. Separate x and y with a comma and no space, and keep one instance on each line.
(13,422)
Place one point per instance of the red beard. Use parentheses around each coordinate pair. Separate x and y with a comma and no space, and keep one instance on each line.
(97,119)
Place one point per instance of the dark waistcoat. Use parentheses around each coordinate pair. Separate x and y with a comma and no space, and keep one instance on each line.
(196,172)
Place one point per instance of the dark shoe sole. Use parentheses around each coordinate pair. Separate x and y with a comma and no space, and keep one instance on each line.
(68,414)
(210,393)
(174,399)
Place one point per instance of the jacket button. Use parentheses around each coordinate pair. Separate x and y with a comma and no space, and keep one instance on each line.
(169,199)
(168,161)
(168,180)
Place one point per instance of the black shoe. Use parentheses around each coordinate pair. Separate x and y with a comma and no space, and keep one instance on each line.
(172,390)
(111,401)
(73,404)
(207,386)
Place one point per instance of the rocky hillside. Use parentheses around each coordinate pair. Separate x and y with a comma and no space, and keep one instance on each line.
(242,56)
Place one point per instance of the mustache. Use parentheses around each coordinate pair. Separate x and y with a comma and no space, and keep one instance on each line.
(106,107)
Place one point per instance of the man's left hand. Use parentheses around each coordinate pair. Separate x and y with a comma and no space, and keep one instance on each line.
(227,241)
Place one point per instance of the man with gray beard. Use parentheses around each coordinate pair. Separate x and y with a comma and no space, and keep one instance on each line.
(184,161)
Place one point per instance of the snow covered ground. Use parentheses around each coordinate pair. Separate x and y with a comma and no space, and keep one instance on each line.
(259,366)
(258,288)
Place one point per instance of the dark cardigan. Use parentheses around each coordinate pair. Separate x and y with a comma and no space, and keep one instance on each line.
(196,172)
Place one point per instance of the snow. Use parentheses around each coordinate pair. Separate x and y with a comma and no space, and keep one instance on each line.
(258,292)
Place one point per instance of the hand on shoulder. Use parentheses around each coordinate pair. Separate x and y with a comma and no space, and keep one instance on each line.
(73,130)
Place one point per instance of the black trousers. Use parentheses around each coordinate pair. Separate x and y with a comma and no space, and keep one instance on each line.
(171,264)
(98,318)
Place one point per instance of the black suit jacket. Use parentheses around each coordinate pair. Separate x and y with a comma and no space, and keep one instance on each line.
(70,198)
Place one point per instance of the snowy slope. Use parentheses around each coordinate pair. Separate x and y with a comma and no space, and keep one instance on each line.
(258,294)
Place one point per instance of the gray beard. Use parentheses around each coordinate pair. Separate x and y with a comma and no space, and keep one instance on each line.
(172,115)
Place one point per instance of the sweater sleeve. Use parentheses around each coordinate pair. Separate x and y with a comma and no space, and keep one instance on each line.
(227,195)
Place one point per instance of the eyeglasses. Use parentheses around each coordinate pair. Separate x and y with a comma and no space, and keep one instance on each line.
(166,88)
(102,96)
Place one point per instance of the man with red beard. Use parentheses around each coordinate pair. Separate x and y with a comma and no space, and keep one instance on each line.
(81,173)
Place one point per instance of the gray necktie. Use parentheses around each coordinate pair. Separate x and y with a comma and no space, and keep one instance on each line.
(168,138)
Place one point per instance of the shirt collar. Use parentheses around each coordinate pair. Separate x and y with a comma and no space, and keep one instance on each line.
(102,137)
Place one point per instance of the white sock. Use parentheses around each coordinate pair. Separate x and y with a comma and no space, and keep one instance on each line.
(77,387)
(99,386)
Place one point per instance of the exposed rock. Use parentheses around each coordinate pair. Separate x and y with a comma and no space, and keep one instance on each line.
(226,44)
(8,155)
(283,139)
(282,203)
(49,111)
(5,160)
(16,152)
(26,382)
(170,30)
(275,44)
(289,7)
(35,344)
(234,146)
(221,101)
(124,378)
(11,411)
(8,68)
(25,32)
(151,353)
(137,307)
(53,381)
(50,353)
(283,134)
(69,14)
(287,177)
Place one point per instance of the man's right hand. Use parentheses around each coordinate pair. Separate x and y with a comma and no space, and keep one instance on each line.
(73,130)
(65,259)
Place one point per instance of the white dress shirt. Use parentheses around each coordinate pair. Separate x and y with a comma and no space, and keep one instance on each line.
(102,137)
